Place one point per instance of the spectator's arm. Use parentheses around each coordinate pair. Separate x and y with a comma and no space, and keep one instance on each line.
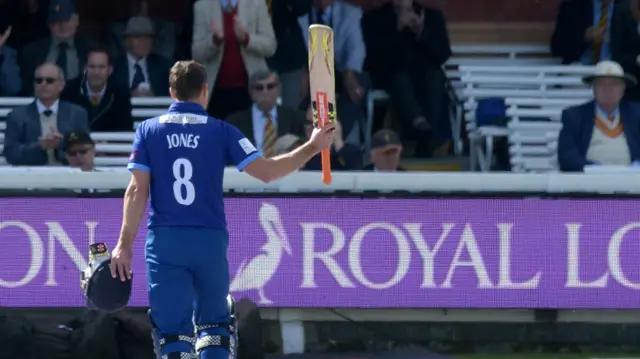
(10,81)
(15,151)
(203,47)
(569,157)
(298,7)
(354,52)
(263,42)
(434,38)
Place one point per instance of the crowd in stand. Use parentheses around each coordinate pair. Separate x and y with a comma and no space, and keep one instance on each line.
(83,61)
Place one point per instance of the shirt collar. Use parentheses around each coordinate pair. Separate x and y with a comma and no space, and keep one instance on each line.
(260,114)
(55,42)
(99,94)
(187,107)
(602,113)
(42,108)
(133,61)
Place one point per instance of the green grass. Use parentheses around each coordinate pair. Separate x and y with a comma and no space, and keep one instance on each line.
(543,356)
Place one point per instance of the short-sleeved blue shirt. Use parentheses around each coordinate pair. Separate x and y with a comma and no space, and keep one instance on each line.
(186,151)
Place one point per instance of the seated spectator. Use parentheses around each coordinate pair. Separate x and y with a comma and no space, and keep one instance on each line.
(265,120)
(80,150)
(344,156)
(349,51)
(386,149)
(290,59)
(63,47)
(34,131)
(107,102)
(605,131)
(144,73)
(587,30)
(232,39)
(10,81)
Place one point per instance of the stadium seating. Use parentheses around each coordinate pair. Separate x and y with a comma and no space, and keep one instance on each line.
(536,83)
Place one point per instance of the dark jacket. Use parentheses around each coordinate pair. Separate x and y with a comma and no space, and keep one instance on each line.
(291,53)
(289,121)
(391,50)
(158,68)
(577,130)
(112,114)
(349,158)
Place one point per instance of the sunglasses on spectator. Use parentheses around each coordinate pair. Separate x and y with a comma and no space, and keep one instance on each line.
(83,151)
(48,80)
(262,87)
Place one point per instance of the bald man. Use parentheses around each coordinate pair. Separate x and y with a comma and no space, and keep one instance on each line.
(34,131)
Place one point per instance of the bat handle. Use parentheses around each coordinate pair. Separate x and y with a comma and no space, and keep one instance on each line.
(326,166)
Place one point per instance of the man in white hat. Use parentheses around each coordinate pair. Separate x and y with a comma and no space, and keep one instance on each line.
(605,131)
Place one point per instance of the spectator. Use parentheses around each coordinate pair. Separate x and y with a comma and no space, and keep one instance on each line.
(386,149)
(63,47)
(34,131)
(587,30)
(407,44)
(344,156)
(605,131)
(265,120)
(288,143)
(349,53)
(290,59)
(80,150)
(28,20)
(10,81)
(107,102)
(232,39)
(626,50)
(146,74)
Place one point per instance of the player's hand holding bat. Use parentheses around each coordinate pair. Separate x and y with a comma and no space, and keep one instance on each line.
(322,138)
(121,261)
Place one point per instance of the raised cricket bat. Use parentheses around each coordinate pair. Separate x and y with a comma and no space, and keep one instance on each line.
(322,87)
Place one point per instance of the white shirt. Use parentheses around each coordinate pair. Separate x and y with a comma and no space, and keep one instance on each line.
(259,120)
(42,108)
(132,70)
(99,94)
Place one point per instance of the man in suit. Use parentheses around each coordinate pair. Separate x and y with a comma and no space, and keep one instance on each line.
(265,120)
(34,132)
(386,149)
(232,39)
(586,31)
(144,73)
(63,47)
(107,102)
(290,59)
(407,44)
(605,131)
(351,83)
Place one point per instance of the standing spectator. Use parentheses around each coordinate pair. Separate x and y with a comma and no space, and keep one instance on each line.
(407,44)
(63,47)
(386,149)
(290,59)
(10,81)
(351,84)
(107,102)
(586,30)
(232,39)
(626,49)
(144,73)
(34,131)
(605,131)
(265,120)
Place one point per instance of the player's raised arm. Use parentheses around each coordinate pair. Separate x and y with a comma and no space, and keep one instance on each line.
(248,159)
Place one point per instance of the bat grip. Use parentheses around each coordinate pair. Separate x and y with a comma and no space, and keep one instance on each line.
(326,166)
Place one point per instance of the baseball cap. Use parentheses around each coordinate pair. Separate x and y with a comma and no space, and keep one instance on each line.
(385,138)
(61,10)
(77,138)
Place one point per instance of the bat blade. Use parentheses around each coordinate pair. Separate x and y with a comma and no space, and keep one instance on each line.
(322,85)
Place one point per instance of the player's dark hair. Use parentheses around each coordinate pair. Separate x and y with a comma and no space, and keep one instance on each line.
(186,79)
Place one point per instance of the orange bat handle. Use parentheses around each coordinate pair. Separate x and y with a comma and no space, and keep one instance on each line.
(326,166)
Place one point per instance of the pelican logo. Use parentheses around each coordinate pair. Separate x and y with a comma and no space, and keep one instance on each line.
(254,273)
